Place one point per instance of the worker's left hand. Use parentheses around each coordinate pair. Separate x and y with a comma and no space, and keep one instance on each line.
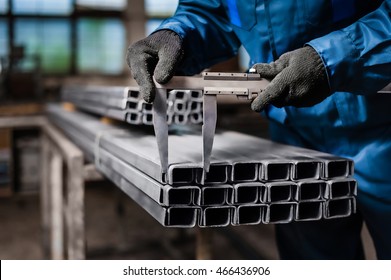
(298,78)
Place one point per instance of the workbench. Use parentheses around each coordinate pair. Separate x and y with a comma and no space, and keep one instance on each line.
(61,195)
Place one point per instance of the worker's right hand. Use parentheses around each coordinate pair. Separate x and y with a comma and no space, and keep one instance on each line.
(157,55)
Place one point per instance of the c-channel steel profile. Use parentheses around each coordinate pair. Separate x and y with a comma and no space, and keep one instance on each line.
(134,117)
(249,214)
(248,193)
(345,187)
(163,194)
(339,207)
(245,171)
(305,168)
(280,191)
(122,151)
(175,216)
(311,210)
(275,170)
(332,166)
(279,213)
(167,216)
(216,216)
(311,190)
(216,195)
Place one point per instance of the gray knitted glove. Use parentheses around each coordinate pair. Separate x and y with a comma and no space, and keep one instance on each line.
(157,55)
(298,78)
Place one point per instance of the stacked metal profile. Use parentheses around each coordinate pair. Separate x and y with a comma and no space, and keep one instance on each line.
(251,180)
(126,104)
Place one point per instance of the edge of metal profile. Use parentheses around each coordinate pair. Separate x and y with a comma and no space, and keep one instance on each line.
(160,213)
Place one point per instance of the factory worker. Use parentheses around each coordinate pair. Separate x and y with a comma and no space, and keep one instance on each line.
(326,60)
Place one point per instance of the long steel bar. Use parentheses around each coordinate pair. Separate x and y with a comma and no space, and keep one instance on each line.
(111,101)
(163,194)
(249,214)
(140,150)
(280,197)
(167,216)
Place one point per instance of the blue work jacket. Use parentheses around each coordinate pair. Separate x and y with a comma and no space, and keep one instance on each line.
(353,38)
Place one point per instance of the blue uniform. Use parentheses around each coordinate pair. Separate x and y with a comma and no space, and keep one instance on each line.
(353,38)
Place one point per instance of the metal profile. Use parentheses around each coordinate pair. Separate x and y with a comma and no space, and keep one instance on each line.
(311,190)
(180,106)
(163,194)
(195,107)
(134,94)
(181,174)
(147,118)
(131,157)
(244,171)
(309,210)
(195,118)
(337,168)
(181,118)
(218,174)
(280,191)
(105,100)
(339,208)
(249,193)
(196,95)
(274,170)
(145,107)
(134,117)
(249,214)
(132,105)
(279,213)
(116,114)
(167,216)
(304,168)
(342,188)
(333,166)
(140,150)
(216,216)
(216,195)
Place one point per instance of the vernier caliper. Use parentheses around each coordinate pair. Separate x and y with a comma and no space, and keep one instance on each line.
(242,85)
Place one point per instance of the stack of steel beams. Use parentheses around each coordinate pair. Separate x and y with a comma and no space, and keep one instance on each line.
(251,180)
(126,104)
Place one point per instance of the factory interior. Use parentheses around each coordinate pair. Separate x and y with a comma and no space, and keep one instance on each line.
(55,203)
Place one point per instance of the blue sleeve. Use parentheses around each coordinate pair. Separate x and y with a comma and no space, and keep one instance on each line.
(206,32)
(358,57)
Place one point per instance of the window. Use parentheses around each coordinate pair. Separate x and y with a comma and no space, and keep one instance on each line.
(3,37)
(49,39)
(160,8)
(42,7)
(68,36)
(101,46)
(3,6)
(151,25)
(117,5)
(156,11)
